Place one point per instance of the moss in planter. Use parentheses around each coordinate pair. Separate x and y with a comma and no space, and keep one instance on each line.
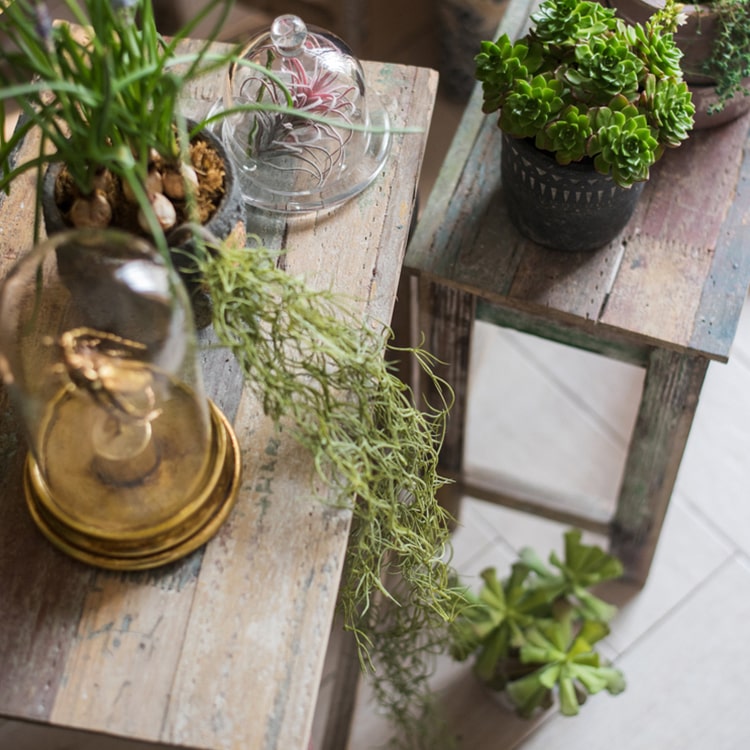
(210,170)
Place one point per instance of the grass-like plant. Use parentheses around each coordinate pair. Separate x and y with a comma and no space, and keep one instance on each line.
(320,371)
(533,634)
(585,84)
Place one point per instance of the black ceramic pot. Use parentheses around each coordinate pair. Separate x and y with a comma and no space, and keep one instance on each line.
(230,211)
(571,207)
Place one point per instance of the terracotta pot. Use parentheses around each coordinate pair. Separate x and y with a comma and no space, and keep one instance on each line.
(695,38)
(572,207)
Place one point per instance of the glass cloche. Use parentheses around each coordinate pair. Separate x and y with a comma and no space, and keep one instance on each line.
(335,142)
(130,464)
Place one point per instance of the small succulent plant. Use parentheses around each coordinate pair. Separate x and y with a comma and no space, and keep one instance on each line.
(533,634)
(585,84)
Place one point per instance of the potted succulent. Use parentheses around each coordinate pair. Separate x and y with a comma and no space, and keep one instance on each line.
(533,634)
(103,100)
(586,90)
(714,37)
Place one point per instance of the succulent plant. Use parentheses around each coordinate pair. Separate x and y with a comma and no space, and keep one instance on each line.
(584,84)
(533,633)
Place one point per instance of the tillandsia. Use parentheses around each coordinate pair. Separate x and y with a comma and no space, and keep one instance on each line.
(584,84)
(320,371)
(324,88)
(533,634)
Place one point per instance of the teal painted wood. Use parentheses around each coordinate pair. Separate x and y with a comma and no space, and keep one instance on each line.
(670,398)
(595,340)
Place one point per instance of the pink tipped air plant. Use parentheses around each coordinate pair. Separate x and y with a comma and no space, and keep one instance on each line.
(316,146)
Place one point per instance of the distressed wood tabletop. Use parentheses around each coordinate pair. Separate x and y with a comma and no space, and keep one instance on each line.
(224,649)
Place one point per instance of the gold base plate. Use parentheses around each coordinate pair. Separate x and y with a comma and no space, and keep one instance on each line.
(152,551)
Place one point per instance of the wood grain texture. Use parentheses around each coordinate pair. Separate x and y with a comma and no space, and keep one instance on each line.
(224,649)
(670,398)
(674,277)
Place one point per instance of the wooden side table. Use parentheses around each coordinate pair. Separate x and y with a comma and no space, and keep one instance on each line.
(223,650)
(666,295)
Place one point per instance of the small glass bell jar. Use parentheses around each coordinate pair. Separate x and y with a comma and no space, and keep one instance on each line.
(130,465)
(334,143)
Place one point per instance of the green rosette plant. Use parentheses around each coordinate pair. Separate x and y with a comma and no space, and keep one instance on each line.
(533,634)
(585,84)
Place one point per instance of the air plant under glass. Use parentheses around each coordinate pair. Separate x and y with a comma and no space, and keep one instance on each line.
(130,465)
(322,136)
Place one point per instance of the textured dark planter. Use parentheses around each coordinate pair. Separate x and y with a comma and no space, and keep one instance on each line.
(570,207)
(229,213)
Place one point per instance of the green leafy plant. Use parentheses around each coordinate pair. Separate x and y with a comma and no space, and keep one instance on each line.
(584,84)
(729,63)
(533,634)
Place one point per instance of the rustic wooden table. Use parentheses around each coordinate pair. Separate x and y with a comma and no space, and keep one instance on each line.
(225,649)
(665,295)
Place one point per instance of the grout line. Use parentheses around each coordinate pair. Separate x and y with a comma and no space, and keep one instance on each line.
(694,507)
(734,556)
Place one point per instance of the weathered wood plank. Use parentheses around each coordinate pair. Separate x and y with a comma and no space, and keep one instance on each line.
(439,234)
(663,276)
(673,242)
(593,338)
(719,309)
(670,398)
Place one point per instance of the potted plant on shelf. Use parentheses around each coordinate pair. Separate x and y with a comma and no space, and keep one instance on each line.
(714,37)
(103,99)
(587,104)
(533,634)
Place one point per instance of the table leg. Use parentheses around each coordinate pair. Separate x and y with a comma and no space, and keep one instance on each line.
(446,321)
(670,397)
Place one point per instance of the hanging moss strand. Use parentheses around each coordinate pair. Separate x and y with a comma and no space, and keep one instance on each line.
(312,362)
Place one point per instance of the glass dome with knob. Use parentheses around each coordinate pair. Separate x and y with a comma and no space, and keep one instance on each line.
(329,137)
